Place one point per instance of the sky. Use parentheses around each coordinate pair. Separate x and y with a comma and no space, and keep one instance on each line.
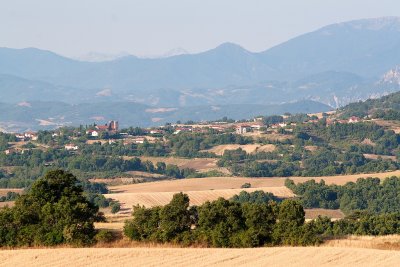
(75,28)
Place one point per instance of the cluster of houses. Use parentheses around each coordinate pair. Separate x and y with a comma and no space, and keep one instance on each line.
(153,134)
(27,136)
(110,127)
(352,119)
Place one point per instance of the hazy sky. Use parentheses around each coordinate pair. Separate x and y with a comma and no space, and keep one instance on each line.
(150,27)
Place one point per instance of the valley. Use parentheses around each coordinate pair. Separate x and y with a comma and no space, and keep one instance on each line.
(283,153)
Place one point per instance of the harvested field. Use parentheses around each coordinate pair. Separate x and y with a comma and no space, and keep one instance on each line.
(101,141)
(152,199)
(110,225)
(198,184)
(146,174)
(199,164)
(311,148)
(393,125)
(374,156)
(167,160)
(7,203)
(314,213)
(272,136)
(145,256)
(388,242)
(320,114)
(115,181)
(343,179)
(253,148)
(3,191)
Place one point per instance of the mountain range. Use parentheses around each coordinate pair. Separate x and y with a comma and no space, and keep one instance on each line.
(334,65)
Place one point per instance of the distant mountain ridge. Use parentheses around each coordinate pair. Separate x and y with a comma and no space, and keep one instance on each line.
(335,65)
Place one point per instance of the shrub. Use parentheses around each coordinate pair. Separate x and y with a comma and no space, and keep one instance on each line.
(246,185)
(115,207)
(104,236)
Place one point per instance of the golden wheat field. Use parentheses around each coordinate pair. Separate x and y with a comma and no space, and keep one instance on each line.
(211,183)
(220,149)
(151,199)
(201,190)
(279,256)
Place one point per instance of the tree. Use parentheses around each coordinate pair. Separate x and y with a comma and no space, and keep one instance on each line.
(290,220)
(144,225)
(115,207)
(175,217)
(54,211)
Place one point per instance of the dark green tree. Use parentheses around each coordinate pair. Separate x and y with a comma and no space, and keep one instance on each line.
(54,211)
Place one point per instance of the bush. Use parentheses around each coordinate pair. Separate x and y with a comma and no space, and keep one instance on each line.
(104,236)
(115,207)
(246,185)
(257,197)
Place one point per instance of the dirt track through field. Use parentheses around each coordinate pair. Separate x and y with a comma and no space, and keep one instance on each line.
(279,256)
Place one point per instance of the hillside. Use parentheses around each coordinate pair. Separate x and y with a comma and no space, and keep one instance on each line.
(386,107)
(36,115)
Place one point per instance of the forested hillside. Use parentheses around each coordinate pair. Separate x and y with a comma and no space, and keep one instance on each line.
(386,107)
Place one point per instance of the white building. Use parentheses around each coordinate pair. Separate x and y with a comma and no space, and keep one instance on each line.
(242,129)
(71,147)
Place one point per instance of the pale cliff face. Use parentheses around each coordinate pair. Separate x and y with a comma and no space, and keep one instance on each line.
(392,76)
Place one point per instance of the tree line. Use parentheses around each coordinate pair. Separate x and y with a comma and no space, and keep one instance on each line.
(224,223)
(368,194)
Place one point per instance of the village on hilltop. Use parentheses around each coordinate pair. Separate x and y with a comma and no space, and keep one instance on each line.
(110,132)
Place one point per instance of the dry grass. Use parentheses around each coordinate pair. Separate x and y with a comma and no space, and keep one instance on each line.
(150,256)
(253,148)
(389,242)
